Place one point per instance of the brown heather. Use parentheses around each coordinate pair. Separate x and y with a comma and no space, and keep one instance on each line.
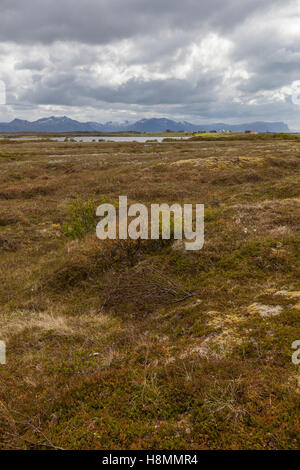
(127,345)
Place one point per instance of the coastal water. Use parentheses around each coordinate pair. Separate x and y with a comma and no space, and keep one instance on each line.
(141,139)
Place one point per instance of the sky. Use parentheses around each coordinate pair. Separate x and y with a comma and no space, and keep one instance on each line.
(229,61)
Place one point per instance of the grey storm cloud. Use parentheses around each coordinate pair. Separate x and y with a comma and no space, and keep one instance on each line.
(102,21)
(68,89)
(221,59)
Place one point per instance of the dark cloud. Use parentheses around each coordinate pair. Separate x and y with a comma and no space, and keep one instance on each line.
(70,90)
(100,22)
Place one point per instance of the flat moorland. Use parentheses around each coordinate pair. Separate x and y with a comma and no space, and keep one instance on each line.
(128,345)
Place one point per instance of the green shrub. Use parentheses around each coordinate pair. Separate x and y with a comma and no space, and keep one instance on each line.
(81,219)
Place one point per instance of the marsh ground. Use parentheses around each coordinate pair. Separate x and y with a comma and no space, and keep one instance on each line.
(123,345)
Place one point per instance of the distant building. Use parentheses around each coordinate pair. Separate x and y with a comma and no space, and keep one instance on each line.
(168,130)
(213,132)
(251,132)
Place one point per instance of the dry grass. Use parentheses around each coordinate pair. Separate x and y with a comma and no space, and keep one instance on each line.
(122,344)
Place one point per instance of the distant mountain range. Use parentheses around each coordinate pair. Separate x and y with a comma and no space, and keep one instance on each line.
(65,124)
